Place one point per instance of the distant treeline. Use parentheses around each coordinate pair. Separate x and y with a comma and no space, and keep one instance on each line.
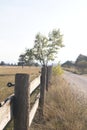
(2,63)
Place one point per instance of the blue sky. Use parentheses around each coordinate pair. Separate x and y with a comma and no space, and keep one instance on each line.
(21,20)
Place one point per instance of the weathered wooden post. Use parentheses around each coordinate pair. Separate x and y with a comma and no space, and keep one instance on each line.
(48,77)
(22,102)
(42,90)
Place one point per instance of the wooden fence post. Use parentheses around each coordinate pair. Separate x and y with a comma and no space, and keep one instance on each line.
(22,102)
(48,77)
(42,90)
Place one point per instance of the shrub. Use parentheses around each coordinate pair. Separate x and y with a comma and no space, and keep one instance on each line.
(57,70)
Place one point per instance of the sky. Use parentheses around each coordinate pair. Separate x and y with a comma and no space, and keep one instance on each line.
(21,20)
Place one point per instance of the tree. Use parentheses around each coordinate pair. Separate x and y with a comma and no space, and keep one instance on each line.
(2,63)
(46,48)
(21,60)
(29,57)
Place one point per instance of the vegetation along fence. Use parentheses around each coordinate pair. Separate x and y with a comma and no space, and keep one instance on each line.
(17,106)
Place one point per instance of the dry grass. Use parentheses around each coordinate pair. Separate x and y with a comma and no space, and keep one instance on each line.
(72,69)
(76,70)
(7,74)
(63,109)
(18,69)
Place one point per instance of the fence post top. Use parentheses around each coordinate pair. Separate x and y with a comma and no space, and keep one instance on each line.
(24,74)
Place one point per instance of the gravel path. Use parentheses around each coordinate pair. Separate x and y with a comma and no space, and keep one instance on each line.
(78,82)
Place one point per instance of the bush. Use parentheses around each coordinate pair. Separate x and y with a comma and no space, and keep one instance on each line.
(57,70)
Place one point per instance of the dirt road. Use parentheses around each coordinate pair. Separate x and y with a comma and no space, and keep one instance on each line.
(78,82)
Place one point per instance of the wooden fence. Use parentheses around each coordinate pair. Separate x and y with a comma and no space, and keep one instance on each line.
(17,106)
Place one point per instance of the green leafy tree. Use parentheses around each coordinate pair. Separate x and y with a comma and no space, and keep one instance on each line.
(46,48)
(29,57)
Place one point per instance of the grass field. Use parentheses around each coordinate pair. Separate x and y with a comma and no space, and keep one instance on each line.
(7,74)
